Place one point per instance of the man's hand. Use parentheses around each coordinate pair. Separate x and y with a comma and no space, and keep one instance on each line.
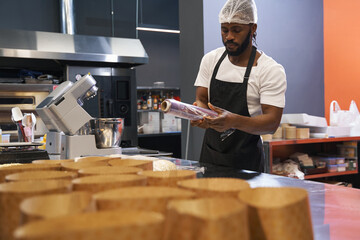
(220,123)
(199,123)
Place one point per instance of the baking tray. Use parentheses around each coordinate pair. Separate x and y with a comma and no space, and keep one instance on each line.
(20,144)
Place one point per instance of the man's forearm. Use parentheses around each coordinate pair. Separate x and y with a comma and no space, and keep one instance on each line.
(202,97)
(262,124)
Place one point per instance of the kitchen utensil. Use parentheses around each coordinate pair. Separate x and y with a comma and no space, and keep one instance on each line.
(17,116)
(28,123)
(107,131)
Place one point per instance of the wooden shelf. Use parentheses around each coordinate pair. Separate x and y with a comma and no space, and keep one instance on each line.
(311,140)
(144,88)
(322,175)
(283,148)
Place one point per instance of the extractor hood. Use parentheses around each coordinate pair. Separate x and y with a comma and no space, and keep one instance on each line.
(71,49)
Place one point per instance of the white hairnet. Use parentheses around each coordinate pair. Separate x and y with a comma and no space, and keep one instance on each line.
(238,11)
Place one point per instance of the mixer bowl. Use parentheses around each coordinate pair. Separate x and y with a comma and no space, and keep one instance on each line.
(107,131)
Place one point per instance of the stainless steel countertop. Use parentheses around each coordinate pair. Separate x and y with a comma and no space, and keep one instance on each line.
(335,210)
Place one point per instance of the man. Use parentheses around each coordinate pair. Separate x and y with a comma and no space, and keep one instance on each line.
(244,86)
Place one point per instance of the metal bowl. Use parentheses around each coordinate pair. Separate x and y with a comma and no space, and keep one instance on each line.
(107,131)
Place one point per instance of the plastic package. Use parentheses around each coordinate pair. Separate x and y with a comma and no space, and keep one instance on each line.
(332,168)
(28,122)
(341,167)
(346,151)
(238,11)
(329,160)
(289,168)
(191,112)
(186,111)
(340,160)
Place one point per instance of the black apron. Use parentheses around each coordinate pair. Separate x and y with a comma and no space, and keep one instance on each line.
(240,150)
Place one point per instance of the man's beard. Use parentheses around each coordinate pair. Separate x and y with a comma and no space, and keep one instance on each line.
(241,48)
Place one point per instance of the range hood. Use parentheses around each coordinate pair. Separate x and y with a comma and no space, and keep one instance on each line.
(70,49)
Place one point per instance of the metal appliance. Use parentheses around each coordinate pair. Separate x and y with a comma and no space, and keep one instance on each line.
(116,97)
(63,116)
(26,97)
(110,60)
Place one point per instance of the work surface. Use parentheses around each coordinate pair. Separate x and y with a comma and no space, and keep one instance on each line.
(335,210)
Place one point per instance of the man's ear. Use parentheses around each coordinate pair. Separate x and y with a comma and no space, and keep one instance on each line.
(253,28)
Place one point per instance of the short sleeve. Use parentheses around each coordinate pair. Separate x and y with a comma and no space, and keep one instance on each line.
(205,70)
(273,86)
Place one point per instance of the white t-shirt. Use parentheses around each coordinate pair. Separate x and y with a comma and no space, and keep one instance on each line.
(266,85)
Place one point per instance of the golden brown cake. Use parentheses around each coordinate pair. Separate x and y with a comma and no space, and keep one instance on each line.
(215,187)
(76,166)
(52,162)
(206,218)
(109,225)
(54,205)
(41,175)
(12,193)
(143,164)
(93,159)
(103,170)
(278,213)
(167,178)
(7,169)
(140,198)
(97,183)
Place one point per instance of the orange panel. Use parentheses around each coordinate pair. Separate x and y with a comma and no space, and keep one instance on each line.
(341,53)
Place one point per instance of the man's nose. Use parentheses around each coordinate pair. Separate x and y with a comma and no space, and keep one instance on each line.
(229,36)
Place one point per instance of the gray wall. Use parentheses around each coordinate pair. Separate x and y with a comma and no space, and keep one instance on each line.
(191,52)
(290,31)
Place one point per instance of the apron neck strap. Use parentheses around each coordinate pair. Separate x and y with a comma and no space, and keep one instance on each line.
(250,64)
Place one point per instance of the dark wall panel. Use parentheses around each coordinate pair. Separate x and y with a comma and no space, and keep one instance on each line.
(164,60)
(34,15)
(93,17)
(159,13)
(125,18)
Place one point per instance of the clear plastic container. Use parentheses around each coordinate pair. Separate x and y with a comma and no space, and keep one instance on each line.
(332,168)
(341,167)
(329,160)
(5,138)
(340,160)
(347,151)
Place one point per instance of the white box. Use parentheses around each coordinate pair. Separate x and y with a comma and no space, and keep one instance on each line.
(316,124)
(169,123)
(303,119)
(152,121)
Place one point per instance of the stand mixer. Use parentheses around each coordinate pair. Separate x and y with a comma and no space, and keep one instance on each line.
(63,116)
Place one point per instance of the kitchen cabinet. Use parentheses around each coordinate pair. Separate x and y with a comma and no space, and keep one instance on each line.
(282,149)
